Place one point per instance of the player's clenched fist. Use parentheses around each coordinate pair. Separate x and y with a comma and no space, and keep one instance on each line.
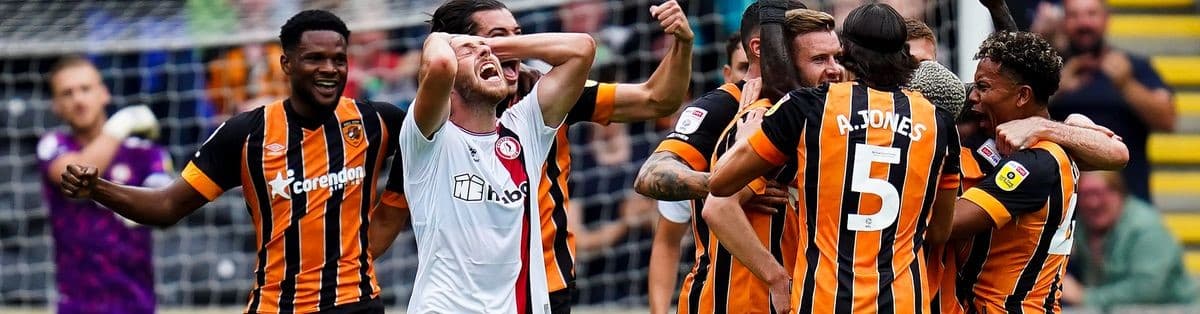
(79,181)
(670,16)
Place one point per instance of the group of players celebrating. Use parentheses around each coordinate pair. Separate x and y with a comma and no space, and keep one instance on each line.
(834,182)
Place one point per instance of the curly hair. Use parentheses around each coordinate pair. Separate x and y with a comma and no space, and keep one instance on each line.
(310,20)
(1025,58)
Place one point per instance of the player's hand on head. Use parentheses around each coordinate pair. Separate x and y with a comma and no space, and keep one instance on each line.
(1020,134)
(79,181)
(672,19)
(132,120)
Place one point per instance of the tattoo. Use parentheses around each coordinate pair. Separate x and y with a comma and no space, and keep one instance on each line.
(666,177)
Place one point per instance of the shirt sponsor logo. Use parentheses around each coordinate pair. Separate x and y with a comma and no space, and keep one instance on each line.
(286,187)
(988,150)
(508,148)
(1011,176)
(690,120)
(472,188)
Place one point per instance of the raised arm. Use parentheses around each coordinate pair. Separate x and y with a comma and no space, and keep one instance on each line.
(1002,20)
(1089,144)
(663,92)
(571,56)
(103,148)
(160,207)
(775,55)
(439,64)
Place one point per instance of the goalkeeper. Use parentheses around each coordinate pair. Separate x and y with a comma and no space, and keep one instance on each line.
(102,261)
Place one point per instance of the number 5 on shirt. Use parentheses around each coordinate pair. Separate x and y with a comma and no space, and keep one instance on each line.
(864,156)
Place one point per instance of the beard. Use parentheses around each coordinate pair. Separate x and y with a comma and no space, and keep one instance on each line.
(475,93)
(1077,48)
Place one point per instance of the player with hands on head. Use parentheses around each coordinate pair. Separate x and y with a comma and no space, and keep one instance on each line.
(658,96)
(480,251)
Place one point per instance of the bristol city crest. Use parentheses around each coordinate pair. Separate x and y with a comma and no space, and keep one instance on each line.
(508,148)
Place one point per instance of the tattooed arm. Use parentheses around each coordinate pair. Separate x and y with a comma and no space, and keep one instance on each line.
(666,176)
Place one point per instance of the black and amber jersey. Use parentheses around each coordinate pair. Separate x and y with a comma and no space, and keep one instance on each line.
(1018,266)
(731,287)
(870,163)
(693,140)
(558,243)
(978,156)
(309,186)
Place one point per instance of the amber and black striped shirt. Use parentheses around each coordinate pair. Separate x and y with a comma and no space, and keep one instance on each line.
(693,140)
(309,186)
(731,287)
(1018,266)
(869,165)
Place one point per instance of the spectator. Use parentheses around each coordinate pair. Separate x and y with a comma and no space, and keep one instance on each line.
(379,74)
(248,76)
(102,261)
(1124,253)
(1116,89)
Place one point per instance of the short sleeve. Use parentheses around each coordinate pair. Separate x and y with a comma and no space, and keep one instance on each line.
(1021,184)
(676,211)
(1145,73)
(211,171)
(699,127)
(595,104)
(776,141)
(415,160)
(952,167)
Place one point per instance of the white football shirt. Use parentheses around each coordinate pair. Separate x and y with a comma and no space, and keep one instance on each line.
(468,214)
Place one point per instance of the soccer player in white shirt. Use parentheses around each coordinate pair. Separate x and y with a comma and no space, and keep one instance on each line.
(468,180)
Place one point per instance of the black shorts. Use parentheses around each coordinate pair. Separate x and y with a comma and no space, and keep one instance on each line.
(373,306)
(561,300)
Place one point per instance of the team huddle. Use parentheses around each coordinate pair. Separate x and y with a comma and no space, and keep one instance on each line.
(836,182)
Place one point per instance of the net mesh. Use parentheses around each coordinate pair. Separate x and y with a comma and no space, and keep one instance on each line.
(196,62)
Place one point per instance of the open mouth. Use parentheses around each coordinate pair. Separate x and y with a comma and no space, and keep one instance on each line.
(510,69)
(327,87)
(490,72)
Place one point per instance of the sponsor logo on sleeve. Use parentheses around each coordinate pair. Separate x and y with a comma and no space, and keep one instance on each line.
(988,151)
(1011,176)
(690,120)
